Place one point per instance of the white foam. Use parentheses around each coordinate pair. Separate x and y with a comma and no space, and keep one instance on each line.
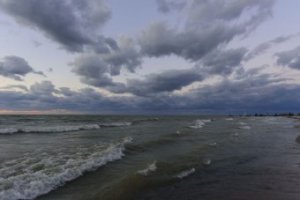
(199,123)
(32,176)
(245,127)
(185,173)
(206,162)
(150,168)
(213,144)
(49,129)
(116,124)
(229,119)
(8,130)
(235,134)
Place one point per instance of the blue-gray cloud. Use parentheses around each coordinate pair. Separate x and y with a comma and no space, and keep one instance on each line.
(222,61)
(16,68)
(255,93)
(263,47)
(73,24)
(289,58)
(209,24)
(203,40)
(166,81)
(166,6)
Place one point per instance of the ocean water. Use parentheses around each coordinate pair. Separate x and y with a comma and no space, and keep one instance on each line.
(148,157)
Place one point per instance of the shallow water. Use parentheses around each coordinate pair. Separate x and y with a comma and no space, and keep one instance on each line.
(142,157)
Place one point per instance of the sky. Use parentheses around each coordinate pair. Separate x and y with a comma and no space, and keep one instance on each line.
(149,57)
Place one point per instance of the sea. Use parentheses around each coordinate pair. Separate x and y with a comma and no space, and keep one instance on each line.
(77,157)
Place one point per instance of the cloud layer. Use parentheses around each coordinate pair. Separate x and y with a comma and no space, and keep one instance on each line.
(16,68)
(71,23)
(216,78)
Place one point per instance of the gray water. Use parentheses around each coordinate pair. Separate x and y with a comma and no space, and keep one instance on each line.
(142,157)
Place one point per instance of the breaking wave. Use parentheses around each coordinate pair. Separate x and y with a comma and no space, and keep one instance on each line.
(199,123)
(150,168)
(229,119)
(185,173)
(49,129)
(29,177)
(61,128)
(115,124)
(244,126)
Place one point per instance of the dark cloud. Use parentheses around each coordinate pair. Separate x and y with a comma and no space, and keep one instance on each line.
(95,71)
(125,55)
(92,70)
(75,25)
(43,88)
(255,93)
(209,24)
(16,68)
(167,81)
(98,70)
(72,23)
(44,96)
(209,27)
(263,47)
(222,61)
(166,6)
(289,58)
(203,40)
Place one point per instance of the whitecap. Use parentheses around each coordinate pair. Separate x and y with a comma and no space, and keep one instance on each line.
(150,168)
(206,162)
(245,127)
(185,173)
(229,119)
(199,123)
(49,129)
(8,130)
(213,144)
(115,124)
(30,177)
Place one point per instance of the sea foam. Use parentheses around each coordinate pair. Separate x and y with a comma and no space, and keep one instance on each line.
(29,177)
(60,128)
(49,129)
(150,168)
(185,173)
(199,123)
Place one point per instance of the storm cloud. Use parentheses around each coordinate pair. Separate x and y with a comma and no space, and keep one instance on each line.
(255,93)
(16,68)
(222,62)
(166,6)
(71,23)
(289,58)
(208,25)
(205,36)
(263,47)
(166,81)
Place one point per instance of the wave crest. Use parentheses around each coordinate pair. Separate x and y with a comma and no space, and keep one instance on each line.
(27,178)
(199,123)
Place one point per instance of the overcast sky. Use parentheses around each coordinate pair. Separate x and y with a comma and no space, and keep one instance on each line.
(149,56)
